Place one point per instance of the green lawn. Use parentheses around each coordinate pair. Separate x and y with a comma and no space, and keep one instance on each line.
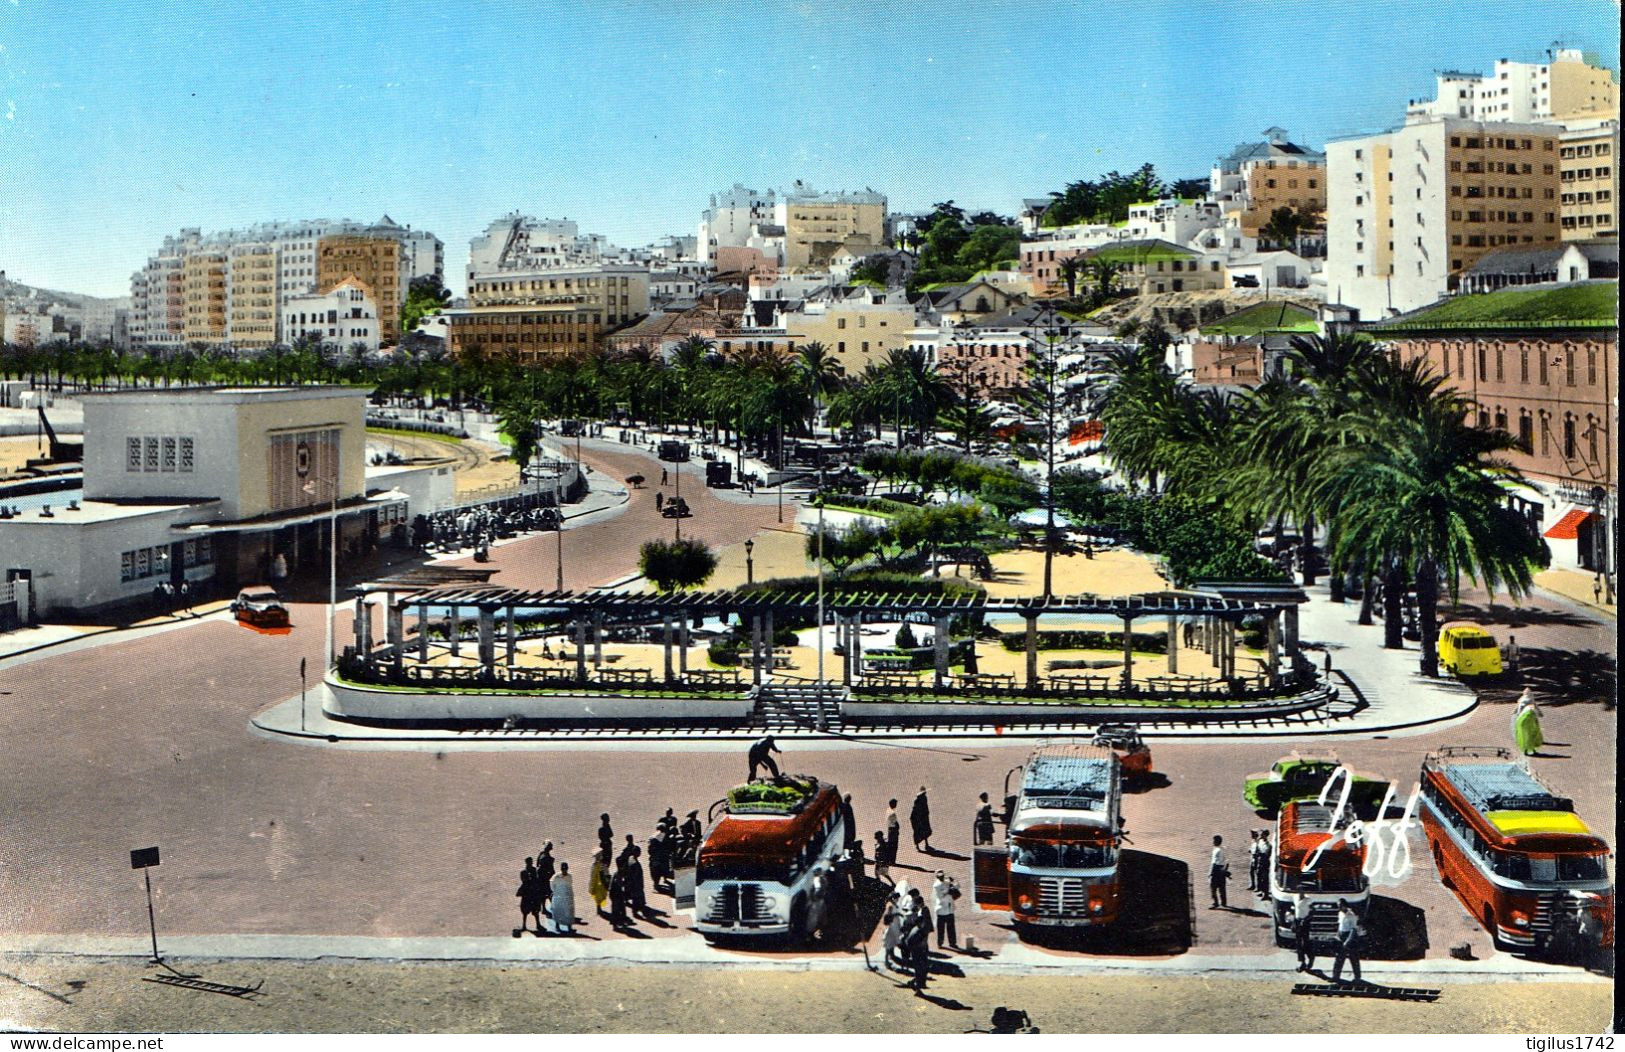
(1263,317)
(1590,305)
(1127,254)
(396,432)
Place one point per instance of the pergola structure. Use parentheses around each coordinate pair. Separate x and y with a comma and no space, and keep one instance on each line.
(1217,611)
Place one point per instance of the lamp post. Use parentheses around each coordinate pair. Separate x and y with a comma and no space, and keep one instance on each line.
(332,568)
(823,721)
(558,506)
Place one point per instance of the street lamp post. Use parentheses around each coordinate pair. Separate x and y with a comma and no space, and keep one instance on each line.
(332,568)
(558,506)
(750,565)
(823,721)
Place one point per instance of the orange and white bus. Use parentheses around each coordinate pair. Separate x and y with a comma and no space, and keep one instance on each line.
(1059,863)
(1336,872)
(765,861)
(1514,852)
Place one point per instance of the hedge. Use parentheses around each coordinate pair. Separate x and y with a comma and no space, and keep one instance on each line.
(1081,639)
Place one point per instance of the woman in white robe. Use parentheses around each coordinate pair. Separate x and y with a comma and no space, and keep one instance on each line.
(563,905)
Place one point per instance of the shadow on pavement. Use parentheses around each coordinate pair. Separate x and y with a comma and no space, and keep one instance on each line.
(1397,931)
(1154,918)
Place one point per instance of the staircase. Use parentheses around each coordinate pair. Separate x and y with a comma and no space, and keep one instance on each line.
(792,706)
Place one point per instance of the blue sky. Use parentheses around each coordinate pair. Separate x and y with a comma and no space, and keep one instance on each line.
(121,123)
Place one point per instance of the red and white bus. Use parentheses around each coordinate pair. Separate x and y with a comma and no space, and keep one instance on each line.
(1514,852)
(1059,863)
(766,859)
(1337,872)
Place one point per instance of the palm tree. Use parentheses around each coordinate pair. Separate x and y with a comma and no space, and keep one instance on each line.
(1069,268)
(916,391)
(1430,494)
(822,372)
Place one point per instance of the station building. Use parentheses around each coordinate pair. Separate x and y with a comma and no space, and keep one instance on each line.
(214,486)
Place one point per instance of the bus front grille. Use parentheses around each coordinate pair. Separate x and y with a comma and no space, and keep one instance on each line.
(1063,897)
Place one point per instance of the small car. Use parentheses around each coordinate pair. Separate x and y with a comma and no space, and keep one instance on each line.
(1297,777)
(1133,754)
(261,607)
(1466,649)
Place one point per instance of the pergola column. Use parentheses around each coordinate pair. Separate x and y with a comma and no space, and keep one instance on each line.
(767,642)
(1173,644)
(940,643)
(597,641)
(665,642)
(1272,648)
(844,638)
(488,643)
(455,632)
(581,649)
(756,649)
(361,622)
(1128,652)
(394,631)
(1032,651)
(513,637)
(857,646)
(1230,649)
(423,633)
(1290,616)
(682,644)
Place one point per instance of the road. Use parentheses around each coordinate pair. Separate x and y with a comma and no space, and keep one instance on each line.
(146,741)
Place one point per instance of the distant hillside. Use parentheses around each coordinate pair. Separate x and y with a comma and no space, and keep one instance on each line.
(16,291)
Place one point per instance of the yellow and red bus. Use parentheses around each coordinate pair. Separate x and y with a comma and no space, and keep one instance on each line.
(1312,857)
(761,869)
(1058,867)
(1517,856)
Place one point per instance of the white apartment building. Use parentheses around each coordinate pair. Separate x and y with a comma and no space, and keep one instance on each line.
(518,242)
(732,219)
(343,317)
(1410,210)
(1565,86)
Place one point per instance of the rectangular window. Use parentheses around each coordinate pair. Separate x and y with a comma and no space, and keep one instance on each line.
(1543,376)
(132,454)
(1500,366)
(126,566)
(151,462)
(168,463)
(1568,365)
(1523,365)
(1568,438)
(1591,366)
(1526,433)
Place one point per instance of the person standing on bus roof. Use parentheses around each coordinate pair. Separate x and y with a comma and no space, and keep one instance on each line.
(1218,873)
(759,757)
(1348,941)
(919,820)
(982,827)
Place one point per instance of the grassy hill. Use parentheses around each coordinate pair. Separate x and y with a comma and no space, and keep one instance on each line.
(1279,316)
(1588,305)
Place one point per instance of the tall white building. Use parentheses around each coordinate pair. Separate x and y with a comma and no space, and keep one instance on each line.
(732,219)
(1566,86)
(519,242)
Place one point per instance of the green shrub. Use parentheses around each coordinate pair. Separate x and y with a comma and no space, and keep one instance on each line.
(1081,639)
(905,637)
(723,652)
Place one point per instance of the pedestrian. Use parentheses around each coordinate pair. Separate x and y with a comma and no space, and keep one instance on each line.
(688,838)
(1252,861)
(530,898)
(1189,630)
(849,821)
(659,858)
(564,901)
(606,835)
(665,478)
(1262,854)
(668,822)
(544,871)
(1301,912)
(1512,653)
(1348,941)
(660,499)
(917,942)
(943,893)
(919,820)
(636,893)
(598,881)
(982,828)
(892,918)
(1218,873)
(885,855)
(759,757)
(617,898)
(894,827)
(1596,589)
(1526,730)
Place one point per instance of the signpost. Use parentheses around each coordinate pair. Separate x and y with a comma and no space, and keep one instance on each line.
(144,859)
(301,695)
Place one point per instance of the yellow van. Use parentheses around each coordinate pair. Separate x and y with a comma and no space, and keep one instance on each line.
(1465,649)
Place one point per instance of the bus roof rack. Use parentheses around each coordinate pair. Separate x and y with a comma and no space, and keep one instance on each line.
(784,795)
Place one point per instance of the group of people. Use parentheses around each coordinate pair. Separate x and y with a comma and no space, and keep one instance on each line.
(887,839)
(616,882)
(908,922)
(477,527)
(1350,930)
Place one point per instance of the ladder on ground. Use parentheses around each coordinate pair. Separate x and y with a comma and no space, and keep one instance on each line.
(192,982)
(792,706)
(1387,993)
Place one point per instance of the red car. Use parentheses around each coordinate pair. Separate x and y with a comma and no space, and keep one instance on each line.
(260,607)
(1133,754)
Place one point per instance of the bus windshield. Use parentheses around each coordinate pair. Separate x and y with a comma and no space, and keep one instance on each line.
(1039,854)
(737,867)
(1326,878)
